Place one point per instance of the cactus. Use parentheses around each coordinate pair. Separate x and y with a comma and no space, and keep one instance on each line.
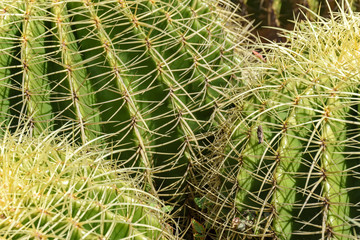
(53,189)
(147,74)
(284,164)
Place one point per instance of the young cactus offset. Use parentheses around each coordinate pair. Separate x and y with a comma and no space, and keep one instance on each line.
(52,189)
(288,153)
(146,73)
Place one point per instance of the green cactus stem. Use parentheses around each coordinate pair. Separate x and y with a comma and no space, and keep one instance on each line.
(147,74)
(300,173)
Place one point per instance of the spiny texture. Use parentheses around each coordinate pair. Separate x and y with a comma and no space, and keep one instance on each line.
(146,73)
(288,152)
(51,189)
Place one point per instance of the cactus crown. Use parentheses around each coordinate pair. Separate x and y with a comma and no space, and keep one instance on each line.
(53,189)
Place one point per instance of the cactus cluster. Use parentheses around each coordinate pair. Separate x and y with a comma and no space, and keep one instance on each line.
(53,189)
(285,163)
(257,148)
(147,74)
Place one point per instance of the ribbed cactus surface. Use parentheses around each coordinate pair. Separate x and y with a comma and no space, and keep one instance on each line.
(147,73)
(288,150)
(302,174)
(53,189)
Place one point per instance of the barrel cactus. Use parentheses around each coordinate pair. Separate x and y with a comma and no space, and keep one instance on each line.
(147,74)
(284,163)
(53,189)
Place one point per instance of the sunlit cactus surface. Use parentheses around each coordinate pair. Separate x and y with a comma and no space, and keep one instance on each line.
(53,189)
